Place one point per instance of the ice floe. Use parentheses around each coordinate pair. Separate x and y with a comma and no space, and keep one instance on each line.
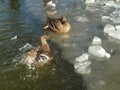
(118,1)
(106,19)
(92,8)
(51,4)
(51,8)
(82,64)
(14,38)
(109,28)
(115,16)
(68,45)
(96,41)
(112,31)
(97,50)
(95,5)
(81,19)
(89,1)
(109,3)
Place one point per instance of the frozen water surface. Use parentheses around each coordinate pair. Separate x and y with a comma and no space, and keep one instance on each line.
(25,19)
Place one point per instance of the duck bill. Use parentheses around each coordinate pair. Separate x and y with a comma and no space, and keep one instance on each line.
(45,27)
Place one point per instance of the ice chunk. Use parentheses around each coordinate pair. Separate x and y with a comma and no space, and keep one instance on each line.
(111,39)
(84,57)
(68,45)
(115,16)
(98,51)
(117,27)
(92,8)
(26,47)
(110,3)
(105,18)
(107,55)
(81,19)
(82,69)
(112,31)
(96,41)
(51,4)
(109,28)
(51,8)
(14,38)
(118,1)
(89,1)
(115,35)
(82,64)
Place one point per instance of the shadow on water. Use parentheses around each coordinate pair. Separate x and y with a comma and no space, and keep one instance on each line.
(14,4)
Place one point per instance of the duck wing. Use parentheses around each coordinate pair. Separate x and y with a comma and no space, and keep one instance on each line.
(54,23)
(42,55)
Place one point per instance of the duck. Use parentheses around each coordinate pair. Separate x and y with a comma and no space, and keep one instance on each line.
(57,25)
(38,56)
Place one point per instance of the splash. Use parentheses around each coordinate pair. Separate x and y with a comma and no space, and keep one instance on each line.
(25,47)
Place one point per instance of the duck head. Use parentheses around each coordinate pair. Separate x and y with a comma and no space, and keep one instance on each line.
(44,37)
(63,19)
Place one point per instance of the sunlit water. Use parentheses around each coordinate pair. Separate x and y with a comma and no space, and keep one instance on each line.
(25,19)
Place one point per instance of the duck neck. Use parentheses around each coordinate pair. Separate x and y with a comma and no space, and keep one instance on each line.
(63,22)
(43,42)
(45,45)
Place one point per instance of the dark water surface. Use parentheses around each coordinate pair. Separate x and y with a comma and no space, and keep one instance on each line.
(16,19)
(25,19)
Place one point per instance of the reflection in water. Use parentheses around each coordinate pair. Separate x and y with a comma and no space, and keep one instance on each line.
(14,4)
(46,1)
(50,7)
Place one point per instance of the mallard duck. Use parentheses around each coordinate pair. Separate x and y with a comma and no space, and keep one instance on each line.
(38,56)
(58,25)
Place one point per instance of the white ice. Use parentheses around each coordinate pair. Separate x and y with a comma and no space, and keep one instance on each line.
(97,50)
(96,41)
(109,28)
(113,32)
(14,38)
(89,1)
(51,4)
(81,19)
(110,3)
(82,64)
(51,8)
(106,18)
(118,1)
(115,16)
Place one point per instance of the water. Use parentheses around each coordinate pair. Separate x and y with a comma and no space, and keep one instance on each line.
(25,19)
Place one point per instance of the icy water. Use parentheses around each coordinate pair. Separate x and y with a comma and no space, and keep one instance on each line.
(25,19)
